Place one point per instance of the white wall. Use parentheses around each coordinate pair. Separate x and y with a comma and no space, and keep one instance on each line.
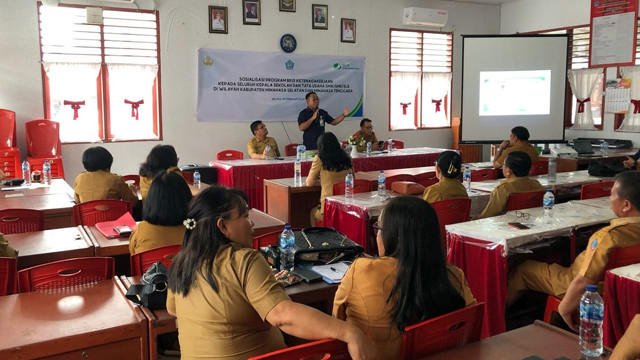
(184,29)
(532,15)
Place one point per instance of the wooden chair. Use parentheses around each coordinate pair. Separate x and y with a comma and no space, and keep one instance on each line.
(291,150)
(8,275)
(135,178)
(91,212)
(426,179)
(596,190)
(444,332)
(484,174)
(525,200)
(359,186)
(618,257)
(399,177)
(539,167)
(397,144)
(14,221)
(66,273)
(141,261)
(230,155)
(320,350)
(451,211)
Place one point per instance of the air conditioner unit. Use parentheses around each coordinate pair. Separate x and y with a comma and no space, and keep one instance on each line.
(425,17)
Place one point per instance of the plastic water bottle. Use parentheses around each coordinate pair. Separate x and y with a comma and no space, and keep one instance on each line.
(26,172)
(301,152)
(604,148)
(390,144)
(297,173)
(553,169)
(268,150)
(591,311)
(547,204)
(196,179)
(466,177)
(46,172)
(348,186)
(287,249)
(382,182)
(369,148)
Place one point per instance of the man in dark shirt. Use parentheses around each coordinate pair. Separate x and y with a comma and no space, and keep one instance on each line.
(632,161)
(312,120)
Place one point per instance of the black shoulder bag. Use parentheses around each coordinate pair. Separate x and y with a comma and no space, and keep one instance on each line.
(152,294)
(323,245)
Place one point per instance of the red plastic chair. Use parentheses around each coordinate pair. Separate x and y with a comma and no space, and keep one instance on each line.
(426,179)
(7,129)
(43,138)
(316,350)
(291,150)
(399,177)
(397,144)
(8,275)
(451,211)
(359,186)
(452,330)
(484,174)
(230,155)
(14,221)
(525,200)
(135,178)
(66,273)
(539,167)
(596,190)
(141,261)
(91,212)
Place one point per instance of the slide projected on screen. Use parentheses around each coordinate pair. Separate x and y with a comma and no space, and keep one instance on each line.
(524,92)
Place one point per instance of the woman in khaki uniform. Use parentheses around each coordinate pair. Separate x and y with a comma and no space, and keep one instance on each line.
(98,182)
(330,166)
(163,213)
(448,186)
(227,301)
(410,282)
(160,158)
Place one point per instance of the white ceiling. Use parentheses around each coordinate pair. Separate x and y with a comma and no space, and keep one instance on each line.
(490,2)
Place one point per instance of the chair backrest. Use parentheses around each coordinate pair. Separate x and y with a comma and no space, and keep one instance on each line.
(539,167)
(13,221)
(399,177)
(451,330)
(359,186)
(316,350)
(8,275)
(91,212)
(135,178)
(525,200)
(66,273)
(291,150)
(451,211)
(397,144)
(623,256)
(43,138)
(141,261)
(484,174)
(7,128)
(426,179)
(596,190)
(230,155)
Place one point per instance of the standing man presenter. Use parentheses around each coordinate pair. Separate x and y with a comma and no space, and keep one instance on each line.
(311,121)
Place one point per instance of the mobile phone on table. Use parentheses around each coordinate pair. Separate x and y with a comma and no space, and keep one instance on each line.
(519,226)
(122,231)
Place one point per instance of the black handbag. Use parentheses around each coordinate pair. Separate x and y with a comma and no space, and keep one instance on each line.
(608,168)
(152,294)
(323,245)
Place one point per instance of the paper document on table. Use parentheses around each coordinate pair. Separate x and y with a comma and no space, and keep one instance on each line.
(332,273)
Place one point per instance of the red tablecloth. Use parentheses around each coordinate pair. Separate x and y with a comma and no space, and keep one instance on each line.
(621,304)
(486,272)
(349,219)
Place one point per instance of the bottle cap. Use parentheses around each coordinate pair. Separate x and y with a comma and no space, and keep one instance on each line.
(287,227)
(592,288)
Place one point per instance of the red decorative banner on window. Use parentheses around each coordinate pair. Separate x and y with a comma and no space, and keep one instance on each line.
(581,104)
(404,108)
(75,105)
(134,107)
(437,102)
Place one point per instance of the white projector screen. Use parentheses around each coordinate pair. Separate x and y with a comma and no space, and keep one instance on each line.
(513,80)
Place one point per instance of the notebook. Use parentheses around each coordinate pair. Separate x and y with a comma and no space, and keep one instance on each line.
(106,228)
(583,147)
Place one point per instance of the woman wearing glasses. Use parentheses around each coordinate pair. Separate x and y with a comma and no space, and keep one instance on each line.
(410,282)
(448,186)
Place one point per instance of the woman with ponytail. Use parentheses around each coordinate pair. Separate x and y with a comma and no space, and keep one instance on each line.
(448,169)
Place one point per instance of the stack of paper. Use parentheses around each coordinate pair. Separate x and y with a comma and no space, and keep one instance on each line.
(332,273)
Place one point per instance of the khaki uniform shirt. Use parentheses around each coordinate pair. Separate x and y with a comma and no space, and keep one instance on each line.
(372,138)
(499,196)
(99,185)
(230,323)
(327,179)
(5,249)
(521,146)
(255,146)
(445,189)
(147,236)
(361,299)
(145,181)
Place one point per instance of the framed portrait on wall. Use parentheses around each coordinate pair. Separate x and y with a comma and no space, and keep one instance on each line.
(251,12)
(288,5)
(348,30)
(218,19)
(320,17)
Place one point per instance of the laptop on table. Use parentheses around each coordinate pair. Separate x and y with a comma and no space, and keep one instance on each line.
(583,148)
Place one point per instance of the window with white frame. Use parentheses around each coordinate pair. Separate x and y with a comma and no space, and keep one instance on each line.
(420,79)
(101,81)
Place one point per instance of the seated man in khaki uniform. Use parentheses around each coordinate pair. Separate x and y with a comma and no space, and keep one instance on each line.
(366,132)
(257,145)
(589,267)
(5,249)
(518,141)
(516,168)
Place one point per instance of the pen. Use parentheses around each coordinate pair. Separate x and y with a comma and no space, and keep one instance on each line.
(333,269)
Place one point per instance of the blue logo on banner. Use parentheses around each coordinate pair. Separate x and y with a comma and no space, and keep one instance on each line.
(289,65)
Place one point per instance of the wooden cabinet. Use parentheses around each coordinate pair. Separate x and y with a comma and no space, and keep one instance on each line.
(126,349)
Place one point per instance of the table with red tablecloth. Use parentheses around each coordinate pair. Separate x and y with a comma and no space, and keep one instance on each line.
(248,174)
(621,301)
(480,248)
